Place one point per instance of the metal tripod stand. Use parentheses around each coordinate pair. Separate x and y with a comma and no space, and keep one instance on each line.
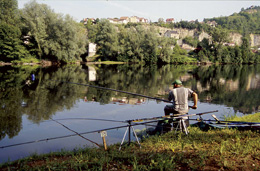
(182,125)
(128,129)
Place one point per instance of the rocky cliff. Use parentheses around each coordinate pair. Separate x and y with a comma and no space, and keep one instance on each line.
(235,38)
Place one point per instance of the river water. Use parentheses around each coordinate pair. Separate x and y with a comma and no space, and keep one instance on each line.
(32,96)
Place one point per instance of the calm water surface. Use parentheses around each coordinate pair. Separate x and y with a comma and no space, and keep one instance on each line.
(31,97)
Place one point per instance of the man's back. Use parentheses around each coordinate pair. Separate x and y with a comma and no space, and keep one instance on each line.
(180,99)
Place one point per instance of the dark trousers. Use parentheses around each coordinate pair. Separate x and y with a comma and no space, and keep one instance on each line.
(168,109)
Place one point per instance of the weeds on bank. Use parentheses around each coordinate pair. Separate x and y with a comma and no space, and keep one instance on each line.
(212,150)
(247,118)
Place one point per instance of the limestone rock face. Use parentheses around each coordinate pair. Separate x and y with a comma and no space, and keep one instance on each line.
(255,40)
(235,38)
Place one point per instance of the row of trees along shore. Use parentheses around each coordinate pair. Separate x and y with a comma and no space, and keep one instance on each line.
(37,33)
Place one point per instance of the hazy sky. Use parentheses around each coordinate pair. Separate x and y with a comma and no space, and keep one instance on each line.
(152,10)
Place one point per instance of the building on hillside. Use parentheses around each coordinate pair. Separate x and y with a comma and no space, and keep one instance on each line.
(124,20)
(85,20)
(113,20)
(143,20)
(170,20)
(187,47)
(172,34)
(229,44)
(134,19)
(92,47)
(212,23)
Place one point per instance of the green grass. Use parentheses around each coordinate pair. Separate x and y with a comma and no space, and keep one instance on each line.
(247,118)
(226,149)
(27,60)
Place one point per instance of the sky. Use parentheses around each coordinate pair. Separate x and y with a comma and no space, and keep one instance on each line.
(186,10)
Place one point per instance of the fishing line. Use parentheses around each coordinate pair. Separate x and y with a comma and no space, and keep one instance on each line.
(106,120)
(75,132)
(65,136)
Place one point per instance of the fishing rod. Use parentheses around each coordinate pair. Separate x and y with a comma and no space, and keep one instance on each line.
(107,129)
(171,117)
(121,91)
(219,121)
(75,132)
(133,120)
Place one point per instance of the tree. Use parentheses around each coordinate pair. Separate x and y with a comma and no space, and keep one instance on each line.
(219,36)
(245,49)
(9,11)
(11,47)
(164,50)
(107,40)
(150,46)
(56,37)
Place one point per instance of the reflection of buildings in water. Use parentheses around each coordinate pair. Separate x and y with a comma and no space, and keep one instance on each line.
(93,99)
(186,77)
(200,88)
(253,82)
(91,73)
(125,100)
(232,85)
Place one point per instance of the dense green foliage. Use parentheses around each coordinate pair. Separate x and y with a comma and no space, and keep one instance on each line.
(36,31)
(11,45)
(55,36)
(9,11)
(215,50)
(134,43)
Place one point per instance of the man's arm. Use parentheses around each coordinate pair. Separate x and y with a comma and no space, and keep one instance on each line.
(170,96)
(195,100)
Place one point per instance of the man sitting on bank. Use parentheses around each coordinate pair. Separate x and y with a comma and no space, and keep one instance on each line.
(179,95)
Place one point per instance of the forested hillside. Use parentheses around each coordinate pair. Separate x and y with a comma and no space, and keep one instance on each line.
(245,22)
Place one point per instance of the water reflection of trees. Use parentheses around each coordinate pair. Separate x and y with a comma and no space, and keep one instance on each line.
(53,93)
(232,85)
(11,103)
(227,84)
(151,80)
(38,99)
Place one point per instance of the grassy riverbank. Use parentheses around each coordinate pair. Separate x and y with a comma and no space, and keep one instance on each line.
(213,150)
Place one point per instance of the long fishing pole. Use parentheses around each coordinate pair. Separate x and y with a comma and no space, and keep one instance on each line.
(66,136)
(75,132)
(171,117)
(121,91)
(220,121)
